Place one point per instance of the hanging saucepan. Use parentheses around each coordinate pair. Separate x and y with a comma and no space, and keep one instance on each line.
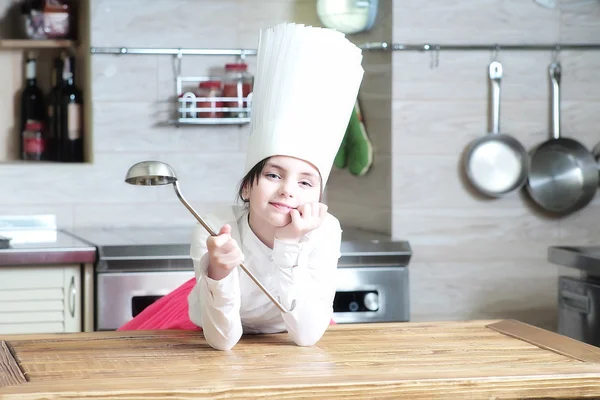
(596,153)
(496,164)
(564,174)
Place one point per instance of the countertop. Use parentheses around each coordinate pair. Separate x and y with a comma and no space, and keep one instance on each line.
(472,359)
(584,258)
(45,247)
(95,244)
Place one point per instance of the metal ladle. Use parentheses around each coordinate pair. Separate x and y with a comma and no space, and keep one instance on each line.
(153,173)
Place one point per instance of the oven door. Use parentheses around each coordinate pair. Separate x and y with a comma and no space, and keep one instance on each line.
(364,294)
(121,296)
(371,294)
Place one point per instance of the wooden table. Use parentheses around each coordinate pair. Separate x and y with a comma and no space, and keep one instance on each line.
(474,359)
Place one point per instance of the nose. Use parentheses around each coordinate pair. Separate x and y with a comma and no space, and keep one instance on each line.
(286,188)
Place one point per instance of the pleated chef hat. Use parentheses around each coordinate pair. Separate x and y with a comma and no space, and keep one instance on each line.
(305,87)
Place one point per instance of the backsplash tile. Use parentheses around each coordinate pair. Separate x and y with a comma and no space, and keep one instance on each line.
(475,234)
(369,218)
(102,182)
(473,258)
(122,126)
(204,177)
(463,75)
(124,78)
(491,289)
(160,23)
(367,190)
(474,21)
(580,23)
(155,214)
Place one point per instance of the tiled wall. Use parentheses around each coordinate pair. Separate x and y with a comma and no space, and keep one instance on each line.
(366,201)
(132,101)
(472,258)
(476,258)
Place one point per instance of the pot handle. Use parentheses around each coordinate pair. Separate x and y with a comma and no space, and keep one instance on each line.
(495,72)
(555,75)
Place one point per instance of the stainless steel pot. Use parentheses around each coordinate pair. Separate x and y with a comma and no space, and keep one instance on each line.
(564,174)
(596,153)
(496,164)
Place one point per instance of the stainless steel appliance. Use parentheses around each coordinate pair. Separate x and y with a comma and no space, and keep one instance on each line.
(579,297)
(136,267)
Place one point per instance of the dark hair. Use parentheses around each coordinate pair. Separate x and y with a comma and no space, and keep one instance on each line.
(253,176)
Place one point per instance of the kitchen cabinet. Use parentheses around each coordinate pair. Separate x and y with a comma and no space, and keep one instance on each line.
(13,52)
(40,299)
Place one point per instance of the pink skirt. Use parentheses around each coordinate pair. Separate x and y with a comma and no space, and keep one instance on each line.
(168,312)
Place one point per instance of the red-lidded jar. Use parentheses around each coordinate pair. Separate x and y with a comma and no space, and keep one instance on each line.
(210,90)
(237,83)
(34,141)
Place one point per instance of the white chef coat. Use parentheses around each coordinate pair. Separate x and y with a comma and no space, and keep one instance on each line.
(304,272)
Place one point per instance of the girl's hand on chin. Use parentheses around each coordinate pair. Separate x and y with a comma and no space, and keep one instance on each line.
(305,218)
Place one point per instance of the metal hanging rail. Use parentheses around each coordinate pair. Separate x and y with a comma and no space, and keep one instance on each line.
(369,46)
(480,47)
(173,51)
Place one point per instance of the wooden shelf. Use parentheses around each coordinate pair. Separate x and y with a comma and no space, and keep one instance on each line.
(35,44)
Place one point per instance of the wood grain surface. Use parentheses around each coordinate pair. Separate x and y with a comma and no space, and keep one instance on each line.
(10,373)
(395,360)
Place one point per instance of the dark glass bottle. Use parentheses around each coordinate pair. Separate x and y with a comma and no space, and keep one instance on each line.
(54,99)
(71,115)
(32,102)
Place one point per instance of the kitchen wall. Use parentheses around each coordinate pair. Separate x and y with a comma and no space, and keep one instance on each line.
(477,258)
(366,201)
(133,99)
(473,258)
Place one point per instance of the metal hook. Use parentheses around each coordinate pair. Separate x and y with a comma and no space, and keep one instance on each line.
(435,56)
(556,53)
(177,61)
(495,53)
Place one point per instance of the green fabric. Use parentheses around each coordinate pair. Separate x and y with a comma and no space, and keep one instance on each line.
(356,150)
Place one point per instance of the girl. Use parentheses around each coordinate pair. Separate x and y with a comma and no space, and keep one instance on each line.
(283,233)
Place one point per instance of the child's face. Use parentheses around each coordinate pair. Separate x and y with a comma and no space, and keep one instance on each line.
(285,183)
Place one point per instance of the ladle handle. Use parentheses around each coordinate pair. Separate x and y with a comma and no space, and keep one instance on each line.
(242,266)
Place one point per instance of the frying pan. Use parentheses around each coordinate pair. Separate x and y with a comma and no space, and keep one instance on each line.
(496,164)
(564,174)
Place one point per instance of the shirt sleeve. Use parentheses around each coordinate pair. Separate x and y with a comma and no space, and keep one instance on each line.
(214,305)
(306,274)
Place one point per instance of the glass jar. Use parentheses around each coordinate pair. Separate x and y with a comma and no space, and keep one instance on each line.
(34,141)
(210,91)
(237,84)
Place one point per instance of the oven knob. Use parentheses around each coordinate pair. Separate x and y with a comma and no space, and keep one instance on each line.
(371,301)
(353,306)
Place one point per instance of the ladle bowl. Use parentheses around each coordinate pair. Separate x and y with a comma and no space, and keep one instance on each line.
(150,173)
(155,173)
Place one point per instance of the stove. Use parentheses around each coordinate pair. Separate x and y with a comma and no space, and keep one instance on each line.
(137,266)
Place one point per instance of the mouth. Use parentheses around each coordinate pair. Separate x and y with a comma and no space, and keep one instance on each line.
(282,207)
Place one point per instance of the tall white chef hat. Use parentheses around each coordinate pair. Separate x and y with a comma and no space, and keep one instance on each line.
(305,87)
